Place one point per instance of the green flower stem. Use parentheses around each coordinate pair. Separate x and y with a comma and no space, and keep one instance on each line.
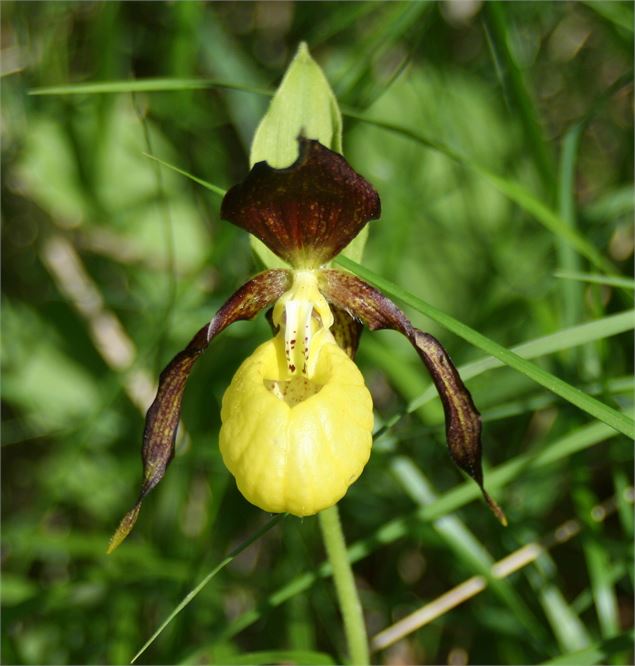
(347,596)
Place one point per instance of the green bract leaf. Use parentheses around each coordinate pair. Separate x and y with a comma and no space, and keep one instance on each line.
(303,105)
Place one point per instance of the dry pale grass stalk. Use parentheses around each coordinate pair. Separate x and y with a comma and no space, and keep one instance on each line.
(109,336)
(470,588)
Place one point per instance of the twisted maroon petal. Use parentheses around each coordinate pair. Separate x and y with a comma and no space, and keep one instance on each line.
(162,419)
(462,420)
(306,213)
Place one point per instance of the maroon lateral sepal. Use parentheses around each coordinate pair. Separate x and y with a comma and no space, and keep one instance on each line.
(162,419)
(307,213)
(462,419)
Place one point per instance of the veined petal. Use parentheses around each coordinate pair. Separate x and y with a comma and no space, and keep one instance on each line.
(462,419)
(163,416)
(306,213)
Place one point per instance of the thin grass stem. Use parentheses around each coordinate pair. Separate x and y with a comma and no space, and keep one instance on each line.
(347,595)
(274,520)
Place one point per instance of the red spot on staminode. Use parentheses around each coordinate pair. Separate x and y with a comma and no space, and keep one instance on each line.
(292,367)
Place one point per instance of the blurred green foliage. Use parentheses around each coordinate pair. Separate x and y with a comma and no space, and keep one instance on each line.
(111,262)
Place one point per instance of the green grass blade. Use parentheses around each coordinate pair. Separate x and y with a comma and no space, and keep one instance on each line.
(597,558)
(564,339)
(144,85)
(584,600)
(599,410)
(394,21)
(532,403)
(519,90)
(219,567)
(605,598)
(609,281)
(600,653)
(565,623)
(349,14)
(209,186)
(548,218)
(571,292)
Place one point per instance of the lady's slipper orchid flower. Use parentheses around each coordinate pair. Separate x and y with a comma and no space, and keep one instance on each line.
(297,418)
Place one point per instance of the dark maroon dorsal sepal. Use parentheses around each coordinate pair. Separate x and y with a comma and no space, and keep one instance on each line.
(306,213)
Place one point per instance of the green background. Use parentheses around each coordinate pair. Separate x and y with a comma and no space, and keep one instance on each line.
(111,263)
